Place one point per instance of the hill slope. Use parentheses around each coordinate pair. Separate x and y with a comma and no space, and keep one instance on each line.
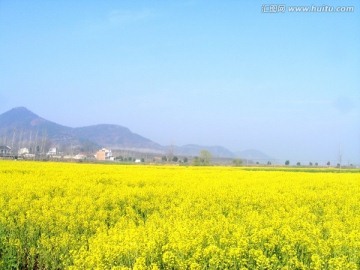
(194,150)
(115,136)
(254,155)
(20,127)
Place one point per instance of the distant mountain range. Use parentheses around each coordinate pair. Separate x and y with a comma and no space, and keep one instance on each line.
(254,155)
(194,150)
(19,127)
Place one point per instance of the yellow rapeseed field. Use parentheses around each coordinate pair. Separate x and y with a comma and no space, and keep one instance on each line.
(92,216)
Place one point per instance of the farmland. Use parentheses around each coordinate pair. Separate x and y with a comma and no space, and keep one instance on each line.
(95,216)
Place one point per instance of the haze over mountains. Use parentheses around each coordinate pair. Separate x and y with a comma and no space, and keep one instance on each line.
(19,127)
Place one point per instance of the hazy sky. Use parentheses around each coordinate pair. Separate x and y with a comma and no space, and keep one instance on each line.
(178,72)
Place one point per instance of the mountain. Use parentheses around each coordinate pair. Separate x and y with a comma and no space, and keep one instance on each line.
(253,155)
(194,150)
(20,127)
(22,118)
(114,136)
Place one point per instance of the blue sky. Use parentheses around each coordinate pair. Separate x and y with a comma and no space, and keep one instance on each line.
(179,72)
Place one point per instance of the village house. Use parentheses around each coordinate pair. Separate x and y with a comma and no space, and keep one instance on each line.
(52,151)
(5,150)
(104,154)
(23,151)
(80,156)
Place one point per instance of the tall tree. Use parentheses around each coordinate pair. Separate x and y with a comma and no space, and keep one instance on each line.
(205,157)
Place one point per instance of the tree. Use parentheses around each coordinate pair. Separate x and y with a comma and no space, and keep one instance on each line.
(287,163)
(164,158)
(269,163)
(298,164)
(237,162)
(185,160)
(196,161)
(328,163)
(205,157)
(175,159)
(170,153)
(310,164)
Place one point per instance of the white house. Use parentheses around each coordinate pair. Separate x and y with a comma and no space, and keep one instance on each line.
(80,157)
(23,151)
(52,151)
(5,150)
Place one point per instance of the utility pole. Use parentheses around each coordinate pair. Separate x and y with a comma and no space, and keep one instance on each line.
(20,139)
(36,145)
(340,156)
(13,139)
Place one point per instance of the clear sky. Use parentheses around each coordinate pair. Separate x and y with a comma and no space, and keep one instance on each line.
(203,72)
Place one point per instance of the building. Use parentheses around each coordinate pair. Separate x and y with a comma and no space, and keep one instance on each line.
(52,151)
(5,150)
(28,156)
(80,157)
(23,151)
(104,154)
